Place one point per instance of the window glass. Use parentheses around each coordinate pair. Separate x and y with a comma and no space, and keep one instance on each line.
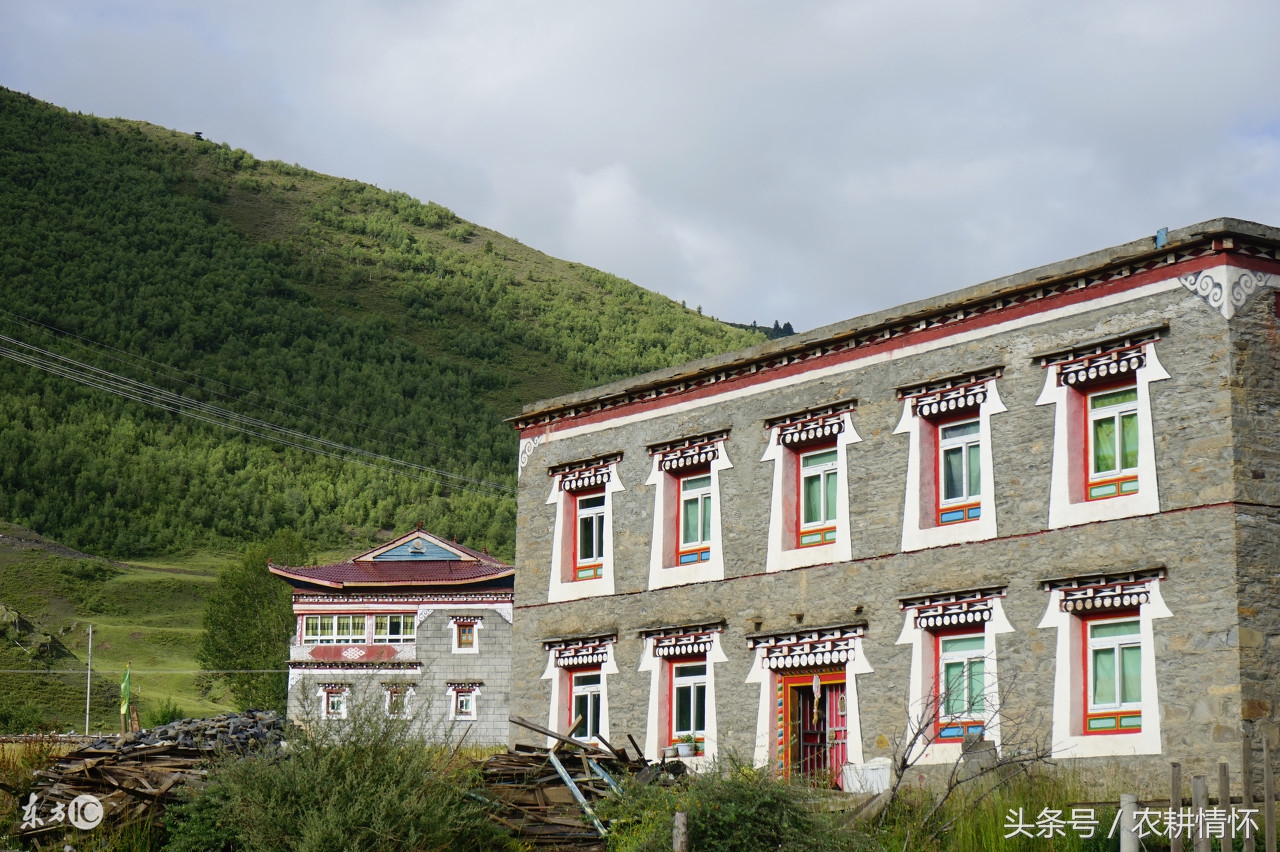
(689,699)
(591,529)
(586,704)
(818,487)
(960,461)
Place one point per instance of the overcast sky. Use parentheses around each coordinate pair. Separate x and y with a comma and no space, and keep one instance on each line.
(799,161)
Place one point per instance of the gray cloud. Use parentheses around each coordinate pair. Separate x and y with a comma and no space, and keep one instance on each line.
(805,162)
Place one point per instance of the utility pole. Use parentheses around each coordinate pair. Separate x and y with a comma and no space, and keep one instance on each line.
(88,682)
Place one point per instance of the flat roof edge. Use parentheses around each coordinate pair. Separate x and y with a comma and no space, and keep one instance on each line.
(1129,252)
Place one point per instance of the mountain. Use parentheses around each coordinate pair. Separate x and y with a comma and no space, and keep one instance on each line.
(365,318)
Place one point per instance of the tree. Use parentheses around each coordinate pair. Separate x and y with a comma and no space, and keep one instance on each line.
(248,620)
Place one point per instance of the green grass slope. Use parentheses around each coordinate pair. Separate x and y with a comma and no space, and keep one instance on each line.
(317,303)
(146,614)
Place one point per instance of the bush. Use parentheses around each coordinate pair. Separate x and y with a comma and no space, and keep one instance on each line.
(24,718)
(163,713)
(364,784)
(738,808)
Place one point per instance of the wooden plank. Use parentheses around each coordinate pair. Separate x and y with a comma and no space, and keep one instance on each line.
(561,738)
(1175,800)
(608,779)
(1200,803)
(1268,793)
(1246,784)
(582,801)
(644,761)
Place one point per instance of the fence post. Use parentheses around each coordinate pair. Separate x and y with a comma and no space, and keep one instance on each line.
(1175,801)
(1269,793)
(1128,821)
(1200,803)
(1246,781)
(680,833)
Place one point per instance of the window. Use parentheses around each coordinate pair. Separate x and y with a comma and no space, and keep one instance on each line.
(335,704)
(393,628)
(688,700)
(1113,442)
(466,634)
(959,472)
(333,629)
(589,553)
(819,487)
(961,684)
(464,705)
(585,704)
(397,701)
(1114,660)
(695,519)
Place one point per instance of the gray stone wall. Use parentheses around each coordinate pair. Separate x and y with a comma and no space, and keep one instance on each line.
(1198,651)
(429,706)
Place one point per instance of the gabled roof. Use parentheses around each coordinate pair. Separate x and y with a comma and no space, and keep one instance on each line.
(417,558)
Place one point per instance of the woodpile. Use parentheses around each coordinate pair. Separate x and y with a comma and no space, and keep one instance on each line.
(133,777)
(546,797)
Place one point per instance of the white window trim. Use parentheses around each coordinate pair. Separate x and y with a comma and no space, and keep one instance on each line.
(1062,511)
(1069,684)
(967,658)
(916,537)
(452,695)
(559,589)
(452,627)
(407,711)
(665,534)
(323,695)
(692,682)
(765,744)
(920,693)
(1114,643)
(561,688)
(652,663)
(783,555)
(579,515)
(590,689)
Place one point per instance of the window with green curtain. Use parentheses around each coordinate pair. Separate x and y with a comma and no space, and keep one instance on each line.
(812,499)
(1104,676)
(1104,445)
(831,480)
(953,473)
(1129,441)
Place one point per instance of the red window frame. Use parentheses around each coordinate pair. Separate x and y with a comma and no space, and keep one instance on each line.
(966,726)
(570,674)
(827,533)
(595,568)
(1084,422)
(671,695)
(700,552)
(972,509)
(1085,714)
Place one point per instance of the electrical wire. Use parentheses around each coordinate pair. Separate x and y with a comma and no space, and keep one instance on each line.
(87,374)
(131,359)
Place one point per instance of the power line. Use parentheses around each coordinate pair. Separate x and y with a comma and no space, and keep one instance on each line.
(131,359)
(108,672)
(87,374)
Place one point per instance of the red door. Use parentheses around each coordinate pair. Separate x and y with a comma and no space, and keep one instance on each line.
(819,729)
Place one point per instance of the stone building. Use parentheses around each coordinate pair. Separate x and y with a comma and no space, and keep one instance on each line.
(1042,509)
(418,628)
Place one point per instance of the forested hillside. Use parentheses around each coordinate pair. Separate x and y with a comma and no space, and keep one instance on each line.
(321,304)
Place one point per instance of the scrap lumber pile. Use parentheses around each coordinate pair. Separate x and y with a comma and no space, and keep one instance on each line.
(545,796)
(134,776)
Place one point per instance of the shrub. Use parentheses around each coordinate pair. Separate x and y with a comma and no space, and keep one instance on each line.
(737,807)
(364,784)
(163,713)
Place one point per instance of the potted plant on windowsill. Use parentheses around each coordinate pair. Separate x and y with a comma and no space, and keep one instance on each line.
(686,745)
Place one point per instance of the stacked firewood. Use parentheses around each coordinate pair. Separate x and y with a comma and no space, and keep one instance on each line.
(546,795)
(121,779)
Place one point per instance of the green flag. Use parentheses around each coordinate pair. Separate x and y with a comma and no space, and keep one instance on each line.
(124,692)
